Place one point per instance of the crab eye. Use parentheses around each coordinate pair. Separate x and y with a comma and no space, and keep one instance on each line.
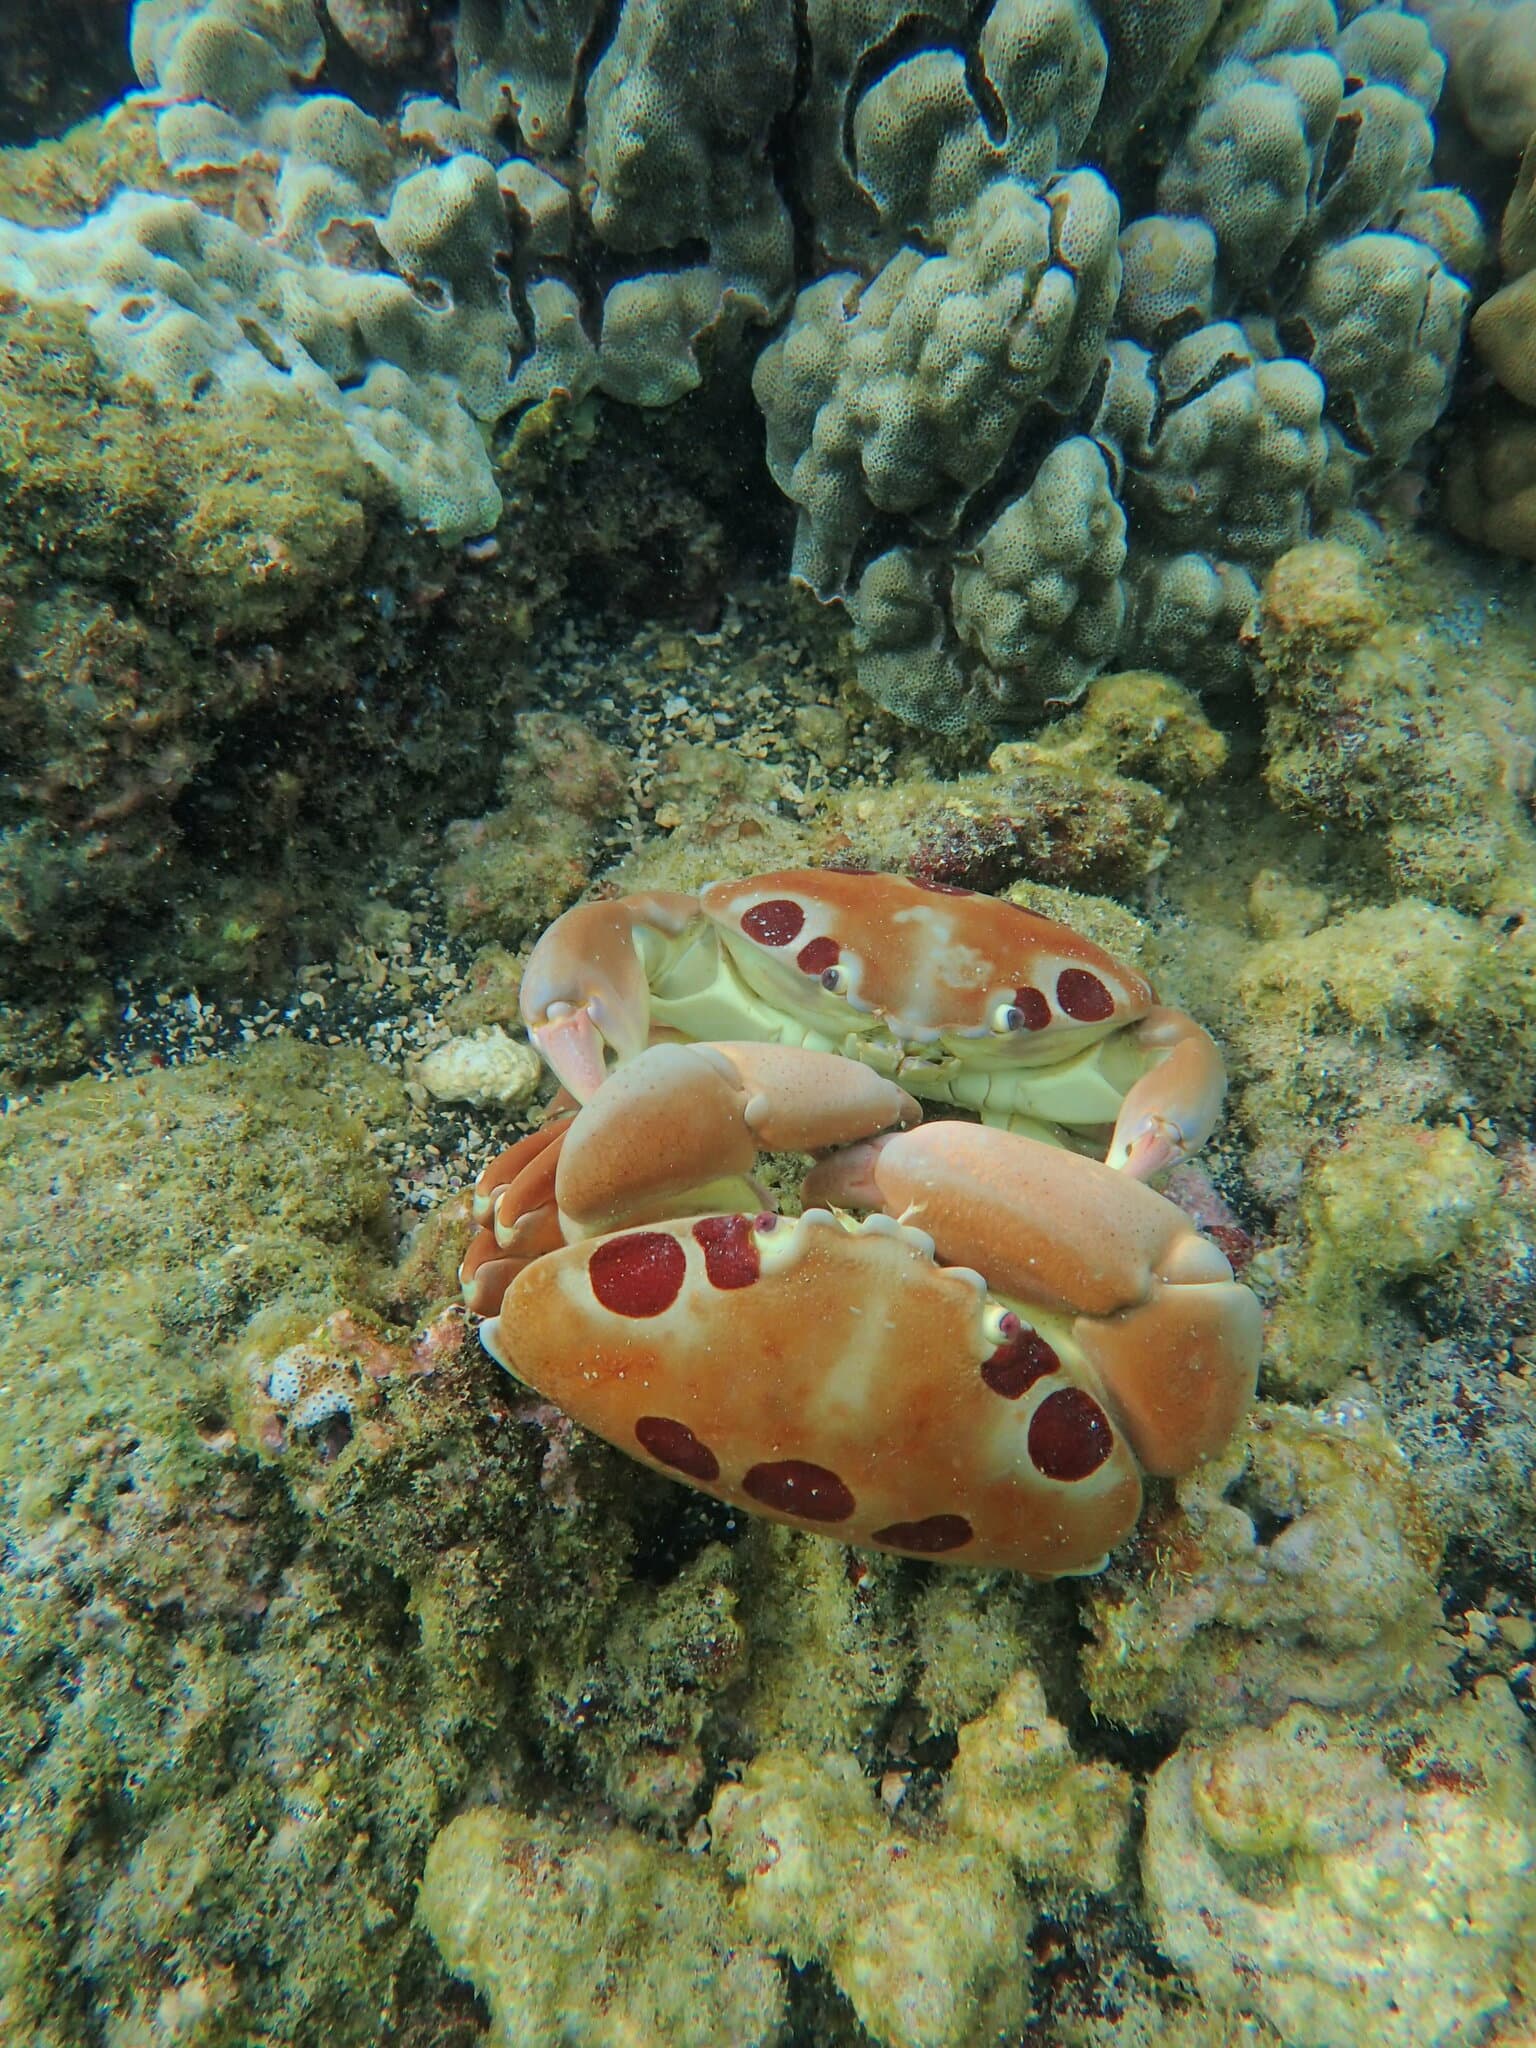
(834,980)
(1007,1017)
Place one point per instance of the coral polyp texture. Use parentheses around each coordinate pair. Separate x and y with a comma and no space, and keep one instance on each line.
(1490,104)
(1028,427)
(1083,315)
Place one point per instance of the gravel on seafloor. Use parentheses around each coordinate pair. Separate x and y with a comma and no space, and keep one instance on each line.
(756,683)
(388,1002)
(759,683)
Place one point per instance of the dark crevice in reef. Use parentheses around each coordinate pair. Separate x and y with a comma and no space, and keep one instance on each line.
(59,64)
(591,54)
(783,154)
(685,1524)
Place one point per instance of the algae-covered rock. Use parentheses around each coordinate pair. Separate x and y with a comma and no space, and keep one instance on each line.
(1352,1885)
(1461,1403)
(518,867)
(922,1928)
(1394,1202)
(173,1206)
(264,1539)
(1134,722)
(1372,724)
(144,1221)
(595,1937)
(925,1939)
(1016,1783)
(635,1707)
(827,1657)
(1090,802)
(971,1633)
(1406,1011)
(1299,1565)
(185,621)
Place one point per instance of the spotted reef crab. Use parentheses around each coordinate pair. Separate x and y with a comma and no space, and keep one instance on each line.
(977,1371)
(863,1377)
(964,999)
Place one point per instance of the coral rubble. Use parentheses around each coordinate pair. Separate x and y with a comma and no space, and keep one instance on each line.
(599,1940)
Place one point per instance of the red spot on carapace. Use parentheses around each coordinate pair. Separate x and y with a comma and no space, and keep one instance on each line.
(674,1443)
(1022,1358)
(730,1251)
(778,922)
(1083,997)
(817,955)
(796,1487)
(1032,1007)
(639,1274)
(929,1536)
(1069,1435)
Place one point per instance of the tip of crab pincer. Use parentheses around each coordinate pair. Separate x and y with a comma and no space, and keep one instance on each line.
(1149,1148)
(573,1049)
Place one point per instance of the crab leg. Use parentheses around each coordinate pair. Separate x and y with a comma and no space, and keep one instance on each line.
(514,1204)
(1173,1337)
(518,1171)
(587,983)
(673,1124)
(1172,1109)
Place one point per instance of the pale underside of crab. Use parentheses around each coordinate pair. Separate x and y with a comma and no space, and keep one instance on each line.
(861,1378)
(962,998)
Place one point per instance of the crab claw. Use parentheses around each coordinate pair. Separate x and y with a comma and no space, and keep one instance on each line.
(670,1126)
(586,988)
(485,1274)
(1172,1109)
(516,1172)
(1174,1339)
(573,1047)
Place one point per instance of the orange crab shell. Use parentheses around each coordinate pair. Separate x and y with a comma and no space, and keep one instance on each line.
(927,959)
(832,1378)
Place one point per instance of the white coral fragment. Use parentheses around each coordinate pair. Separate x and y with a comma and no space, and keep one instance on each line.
(488,1070)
